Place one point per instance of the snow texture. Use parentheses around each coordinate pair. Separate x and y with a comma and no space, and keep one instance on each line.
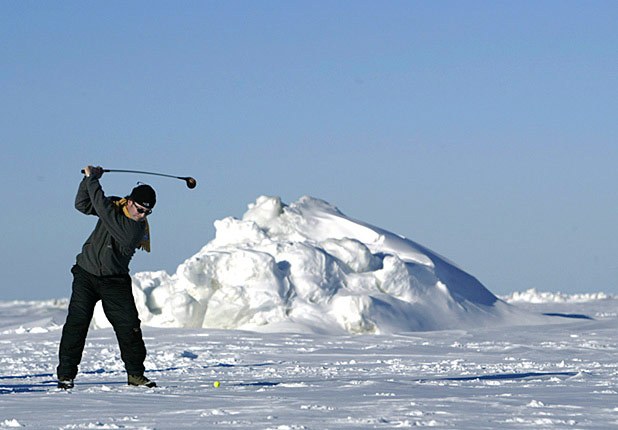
(557,376)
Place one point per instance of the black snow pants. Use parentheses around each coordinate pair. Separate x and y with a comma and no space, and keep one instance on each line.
(119,306)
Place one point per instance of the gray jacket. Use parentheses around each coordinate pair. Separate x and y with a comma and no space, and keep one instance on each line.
(112,244)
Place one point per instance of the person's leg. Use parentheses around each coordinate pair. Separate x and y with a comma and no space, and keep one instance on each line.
(119,307)
(75,330)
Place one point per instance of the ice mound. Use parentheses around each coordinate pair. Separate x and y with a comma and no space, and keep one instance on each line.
(308,267)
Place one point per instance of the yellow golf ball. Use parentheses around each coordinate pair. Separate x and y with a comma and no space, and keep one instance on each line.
(216,384)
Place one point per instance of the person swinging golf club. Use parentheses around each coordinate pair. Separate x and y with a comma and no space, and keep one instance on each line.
(101,273)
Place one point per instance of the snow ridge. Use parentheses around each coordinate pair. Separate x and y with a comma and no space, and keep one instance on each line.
(534,296)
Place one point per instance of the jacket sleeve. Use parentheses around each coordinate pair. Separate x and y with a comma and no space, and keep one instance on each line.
(82,199)
(125,231)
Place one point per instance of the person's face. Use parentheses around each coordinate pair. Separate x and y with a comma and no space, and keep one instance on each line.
(138,212)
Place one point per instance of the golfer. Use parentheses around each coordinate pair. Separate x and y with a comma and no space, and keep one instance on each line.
(102,273)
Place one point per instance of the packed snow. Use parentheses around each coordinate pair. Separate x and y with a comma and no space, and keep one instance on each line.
(312,320)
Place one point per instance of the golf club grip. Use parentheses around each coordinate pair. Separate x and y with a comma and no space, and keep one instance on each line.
(104,170)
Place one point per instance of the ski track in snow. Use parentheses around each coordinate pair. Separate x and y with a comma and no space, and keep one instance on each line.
(551,376)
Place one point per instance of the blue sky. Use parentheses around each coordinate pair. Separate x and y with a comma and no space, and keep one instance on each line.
(484,130)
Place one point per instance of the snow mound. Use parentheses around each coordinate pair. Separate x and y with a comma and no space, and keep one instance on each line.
(534,296)
(308,267)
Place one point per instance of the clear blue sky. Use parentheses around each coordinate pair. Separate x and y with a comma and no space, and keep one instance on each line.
(484,130)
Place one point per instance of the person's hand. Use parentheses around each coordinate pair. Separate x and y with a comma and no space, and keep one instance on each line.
(95,172)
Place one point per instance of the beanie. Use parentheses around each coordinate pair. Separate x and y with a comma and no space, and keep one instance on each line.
(144,195)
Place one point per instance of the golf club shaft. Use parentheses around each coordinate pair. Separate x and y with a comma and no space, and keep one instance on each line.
(140,172)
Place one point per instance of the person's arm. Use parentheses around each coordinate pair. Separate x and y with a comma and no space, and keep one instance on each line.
(126,232)
(82,199)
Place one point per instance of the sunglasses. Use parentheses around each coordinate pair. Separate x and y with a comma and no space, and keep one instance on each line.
(141,210)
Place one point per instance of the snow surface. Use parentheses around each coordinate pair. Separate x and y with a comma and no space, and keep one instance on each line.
(306,267)
(312,320)
(556,376)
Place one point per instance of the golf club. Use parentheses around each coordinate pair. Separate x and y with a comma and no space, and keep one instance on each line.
(191,182)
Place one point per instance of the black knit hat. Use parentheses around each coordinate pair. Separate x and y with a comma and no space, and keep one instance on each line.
(144,196)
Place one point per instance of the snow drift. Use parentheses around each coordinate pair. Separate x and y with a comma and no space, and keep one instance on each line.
(308,267)
(537,297)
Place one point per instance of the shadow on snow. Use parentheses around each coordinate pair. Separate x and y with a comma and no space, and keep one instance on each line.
(504,376)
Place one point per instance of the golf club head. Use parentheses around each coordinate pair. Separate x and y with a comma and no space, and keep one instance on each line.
(191,182)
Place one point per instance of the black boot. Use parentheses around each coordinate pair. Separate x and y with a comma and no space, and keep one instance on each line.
(65,383)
